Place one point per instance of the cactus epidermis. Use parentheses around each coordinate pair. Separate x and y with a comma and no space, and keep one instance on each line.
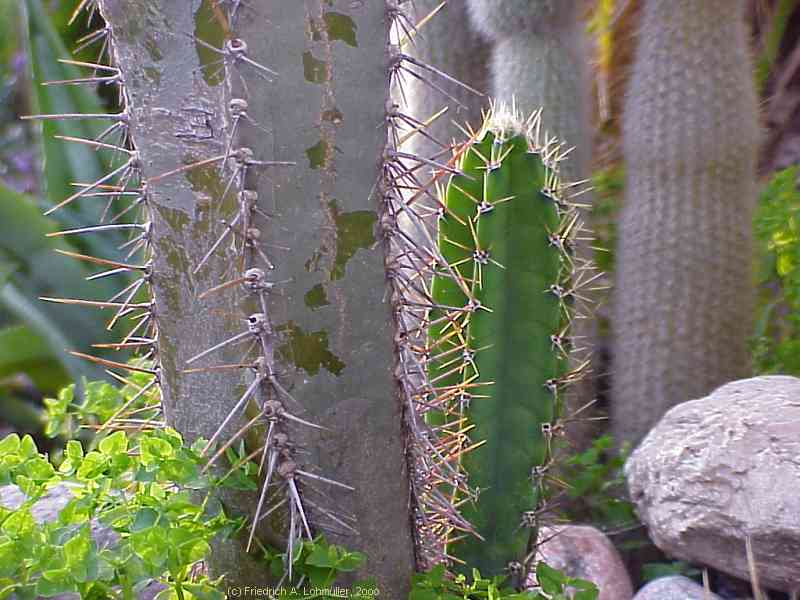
(497,339)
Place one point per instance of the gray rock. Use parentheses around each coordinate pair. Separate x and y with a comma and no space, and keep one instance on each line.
(586,553)
(721,468)
(674,587)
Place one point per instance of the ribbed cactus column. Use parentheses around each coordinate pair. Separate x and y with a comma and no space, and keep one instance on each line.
(498,339)
(684,291)
(539,60)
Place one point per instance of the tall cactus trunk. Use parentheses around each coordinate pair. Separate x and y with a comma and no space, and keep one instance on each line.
(324,343)
(684,294)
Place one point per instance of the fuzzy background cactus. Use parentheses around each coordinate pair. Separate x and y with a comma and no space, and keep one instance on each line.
(539,60)
(684,290)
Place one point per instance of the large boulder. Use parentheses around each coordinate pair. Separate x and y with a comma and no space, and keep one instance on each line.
(586,553)
(719,469)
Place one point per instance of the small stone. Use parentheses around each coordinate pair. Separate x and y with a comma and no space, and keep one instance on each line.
(586,553)
(723,468)
(674,587)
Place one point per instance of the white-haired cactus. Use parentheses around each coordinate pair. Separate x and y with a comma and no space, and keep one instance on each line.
(684,290)
(539,61)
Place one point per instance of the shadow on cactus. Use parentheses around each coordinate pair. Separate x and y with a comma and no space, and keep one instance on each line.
(499,339)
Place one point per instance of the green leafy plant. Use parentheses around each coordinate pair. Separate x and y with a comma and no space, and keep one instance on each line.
(550,584)
(35,337)
(595,482)
(148,491)
(776,344)
(318,564)
(130,489)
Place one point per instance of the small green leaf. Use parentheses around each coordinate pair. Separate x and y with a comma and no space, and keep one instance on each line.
(76,511)
(197,551)
(57,575)
(10,444)
(77,549)
(74,450)
(322,556)
(18,523)
(93,465)
(9,558)
(150,545)
(153,449)
(115,443)
(178,471)
(27,448)
(145,517)
(39,469)
(551,580)
(351,561)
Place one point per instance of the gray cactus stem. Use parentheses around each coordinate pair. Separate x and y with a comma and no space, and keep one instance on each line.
(327,338)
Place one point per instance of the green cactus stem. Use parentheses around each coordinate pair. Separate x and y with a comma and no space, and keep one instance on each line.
(539,60)
(506,231)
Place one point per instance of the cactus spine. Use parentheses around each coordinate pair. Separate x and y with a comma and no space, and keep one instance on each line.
(507,232)
(684,294)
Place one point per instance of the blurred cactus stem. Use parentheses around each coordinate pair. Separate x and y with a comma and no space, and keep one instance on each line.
(684,290)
